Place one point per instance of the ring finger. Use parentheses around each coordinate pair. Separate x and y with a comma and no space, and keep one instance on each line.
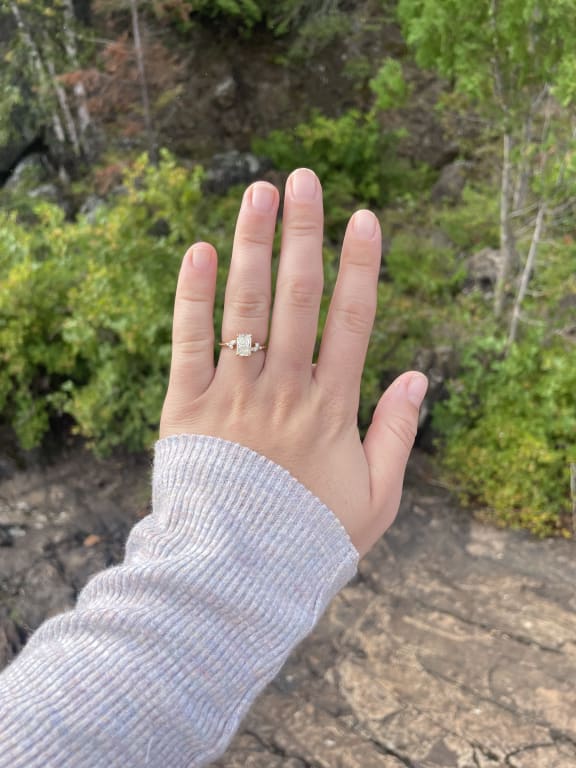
(248,288)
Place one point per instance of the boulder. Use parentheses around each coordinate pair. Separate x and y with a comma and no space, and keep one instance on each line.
(89,207)
(482,268)
(225,93)
(230,169)
(30,171)
(450,183)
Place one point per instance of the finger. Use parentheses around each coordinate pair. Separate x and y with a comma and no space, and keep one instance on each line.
(248,289)
(352,311)
(300,278)
(192,367)
(388,443)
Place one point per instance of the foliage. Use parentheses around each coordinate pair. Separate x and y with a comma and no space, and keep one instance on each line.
(422,269)
(353,157)
(389,86)
(496,53)
(473,224)
(508,429)
(95,340)
(280,16)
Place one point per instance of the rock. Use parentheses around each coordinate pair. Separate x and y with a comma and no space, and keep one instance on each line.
(482,268)
(29,172)
(89,207)
(44,594)
(438,364)
(450,184)
(225,93)
(230,169)
(49,192)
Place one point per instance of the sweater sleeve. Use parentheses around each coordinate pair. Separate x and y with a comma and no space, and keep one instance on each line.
(164,654)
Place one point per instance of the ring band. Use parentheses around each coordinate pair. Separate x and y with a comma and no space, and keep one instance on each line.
(243,344)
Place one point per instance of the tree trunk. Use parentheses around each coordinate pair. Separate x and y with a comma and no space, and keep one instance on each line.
(79,90)
(507,249)
(521,189)
(64,107)
(526,274)
(150,139)
(41,73)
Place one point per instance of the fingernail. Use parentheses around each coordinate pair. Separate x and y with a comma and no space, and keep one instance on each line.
(304,184)
(416,389)
(365,224)
(263,196)
(201,256)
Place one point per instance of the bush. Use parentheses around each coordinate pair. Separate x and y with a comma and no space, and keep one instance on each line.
(420,268)
(353,157)
(509,427)
(87,308)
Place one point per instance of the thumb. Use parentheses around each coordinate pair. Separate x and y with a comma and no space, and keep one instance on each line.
(389,440)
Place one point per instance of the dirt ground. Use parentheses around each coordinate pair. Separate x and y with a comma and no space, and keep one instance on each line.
(455,646)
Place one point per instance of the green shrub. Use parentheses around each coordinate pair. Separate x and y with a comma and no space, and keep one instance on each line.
(352,156)
(86,308)
(508,431)
(474,223)
(280,16)
(420,268)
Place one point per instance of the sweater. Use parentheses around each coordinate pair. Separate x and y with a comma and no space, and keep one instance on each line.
(164,654)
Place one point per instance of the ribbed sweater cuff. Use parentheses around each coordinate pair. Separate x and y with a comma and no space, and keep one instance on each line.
(164,654)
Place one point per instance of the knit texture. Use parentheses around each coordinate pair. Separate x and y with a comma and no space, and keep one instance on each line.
(164,654)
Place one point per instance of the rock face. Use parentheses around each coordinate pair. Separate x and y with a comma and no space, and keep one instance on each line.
(450,183)
(482,269)
(454,647)
(231,168)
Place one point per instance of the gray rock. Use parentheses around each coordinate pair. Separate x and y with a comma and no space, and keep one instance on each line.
(225,93)
(90,206)
(30,171)
(439,364)
(450,184)
(482,268)
(232,168)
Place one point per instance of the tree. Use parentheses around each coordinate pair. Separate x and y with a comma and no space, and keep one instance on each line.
(509,58)
(44,49)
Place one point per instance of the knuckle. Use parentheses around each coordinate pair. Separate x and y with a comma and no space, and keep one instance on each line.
(303,227)
(192,346)
(304,294)
(255,236)
(355,316)
(403,428)
(250,304)
(193,300)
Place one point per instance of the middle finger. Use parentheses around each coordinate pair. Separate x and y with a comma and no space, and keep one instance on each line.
(300,278)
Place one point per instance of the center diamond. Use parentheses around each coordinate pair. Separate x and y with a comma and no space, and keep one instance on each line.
(244,344)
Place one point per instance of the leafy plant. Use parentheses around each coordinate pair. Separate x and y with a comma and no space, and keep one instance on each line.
(508,431)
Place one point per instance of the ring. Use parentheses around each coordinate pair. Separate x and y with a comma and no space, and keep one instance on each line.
(243,344)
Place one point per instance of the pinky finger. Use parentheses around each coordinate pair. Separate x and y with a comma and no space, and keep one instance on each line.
(192,367)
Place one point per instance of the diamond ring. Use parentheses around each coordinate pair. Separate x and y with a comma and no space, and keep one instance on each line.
(243,345)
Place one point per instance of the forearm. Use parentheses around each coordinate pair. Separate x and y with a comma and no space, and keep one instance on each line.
(164,655)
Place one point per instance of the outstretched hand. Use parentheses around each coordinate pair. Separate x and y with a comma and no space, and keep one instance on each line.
(276,402)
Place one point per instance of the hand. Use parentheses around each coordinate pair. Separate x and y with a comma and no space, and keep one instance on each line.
(301,416)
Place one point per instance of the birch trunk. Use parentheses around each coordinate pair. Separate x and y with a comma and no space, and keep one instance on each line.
(64,107)
(507,250)
(41,72)
(143,82)
(526,274)
(521,189)
(79,90)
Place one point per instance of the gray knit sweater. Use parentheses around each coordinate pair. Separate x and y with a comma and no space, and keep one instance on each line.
(163,655)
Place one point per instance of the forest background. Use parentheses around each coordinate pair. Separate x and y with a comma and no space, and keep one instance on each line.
(128,130)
